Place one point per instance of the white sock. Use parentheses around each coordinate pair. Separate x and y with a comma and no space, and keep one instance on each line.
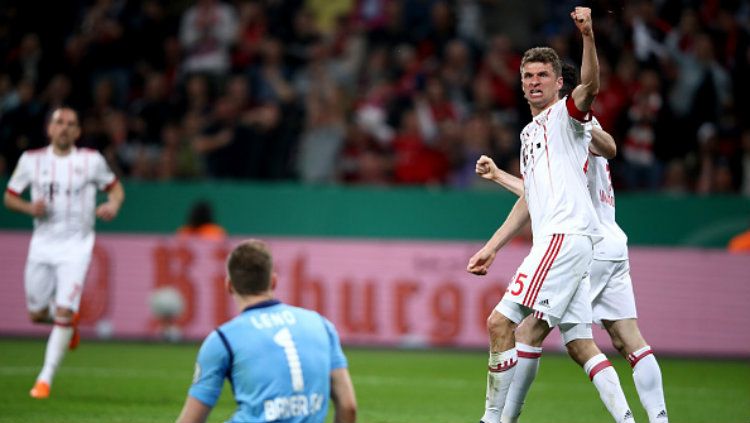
(605,379)
(502,365)
(647,378)
(526,370)
(57,345)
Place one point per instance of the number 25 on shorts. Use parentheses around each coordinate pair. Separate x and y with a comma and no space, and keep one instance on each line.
(517,285)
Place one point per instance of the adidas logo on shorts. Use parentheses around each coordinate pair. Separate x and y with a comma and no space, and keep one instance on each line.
(544,303)
(662,413)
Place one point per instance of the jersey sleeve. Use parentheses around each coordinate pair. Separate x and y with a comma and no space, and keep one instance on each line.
(338,359)
(211,367)
(21,177)
(573,112)
(103,176)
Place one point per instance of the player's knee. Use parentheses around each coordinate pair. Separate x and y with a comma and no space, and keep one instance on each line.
(581,350)
(39,316)
(618,344)
(625,336)
(499,326)
(532,332)
(64,313)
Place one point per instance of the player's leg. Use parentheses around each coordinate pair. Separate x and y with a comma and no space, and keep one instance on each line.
(39,284)
(70,276)
(614,309)
(508,313)
(503,358)
(529,337)
(578,339)
(547,280)
(626,337)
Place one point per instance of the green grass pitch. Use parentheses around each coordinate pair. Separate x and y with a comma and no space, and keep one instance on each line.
(139,382)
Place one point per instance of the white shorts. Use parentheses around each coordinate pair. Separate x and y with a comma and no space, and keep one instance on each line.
(59,280)
(550,281)
(611,291)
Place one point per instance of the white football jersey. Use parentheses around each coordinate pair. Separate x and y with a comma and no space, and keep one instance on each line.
(68,186)
(554,150)
(614,245)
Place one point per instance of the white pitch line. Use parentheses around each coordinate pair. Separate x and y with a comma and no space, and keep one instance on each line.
(103,372)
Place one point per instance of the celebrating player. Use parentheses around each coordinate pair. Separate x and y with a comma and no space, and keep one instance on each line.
(612,300)
(64,180)
(552,282)
(283,362)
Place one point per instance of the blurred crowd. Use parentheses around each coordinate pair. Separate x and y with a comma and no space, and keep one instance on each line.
(381,92)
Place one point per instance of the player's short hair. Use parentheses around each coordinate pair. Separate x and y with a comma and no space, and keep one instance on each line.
(249,267)
(570,79)
(61,108)
(542,55)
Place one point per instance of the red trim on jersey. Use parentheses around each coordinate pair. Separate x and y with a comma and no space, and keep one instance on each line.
(504,366)
(541,272)
(598,368)
(575,113)
(541,264)
(634,359)
(111,185)
(11,192)
(529,354)
(538,314)
(546,271)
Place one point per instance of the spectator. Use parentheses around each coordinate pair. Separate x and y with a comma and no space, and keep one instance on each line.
(641,166)
(323,136)
(252,28)
(740,243)
(200,223)
(207,31)
(20,128)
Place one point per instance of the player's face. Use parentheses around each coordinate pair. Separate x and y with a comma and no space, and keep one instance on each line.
(540,84)
(63,129)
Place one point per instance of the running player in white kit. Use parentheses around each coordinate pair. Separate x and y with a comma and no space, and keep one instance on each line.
(612,299)
(64,181)
(552,281)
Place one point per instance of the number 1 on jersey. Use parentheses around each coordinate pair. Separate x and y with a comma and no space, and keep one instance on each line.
(284,339)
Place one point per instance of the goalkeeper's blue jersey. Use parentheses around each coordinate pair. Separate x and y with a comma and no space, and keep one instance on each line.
(278,360)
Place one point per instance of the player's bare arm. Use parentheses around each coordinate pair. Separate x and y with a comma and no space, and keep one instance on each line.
(18,204)
(108,211)
(602,143)
(584,94)
(342,394)
(487,169)
(480,262)
(194,411)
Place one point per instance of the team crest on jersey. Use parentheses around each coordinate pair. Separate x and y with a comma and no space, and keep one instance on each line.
(529,148)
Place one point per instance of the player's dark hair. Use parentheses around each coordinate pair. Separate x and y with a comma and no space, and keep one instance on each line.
(249,267)
(542,55)
(200,214)
(62,107)
(570,79)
